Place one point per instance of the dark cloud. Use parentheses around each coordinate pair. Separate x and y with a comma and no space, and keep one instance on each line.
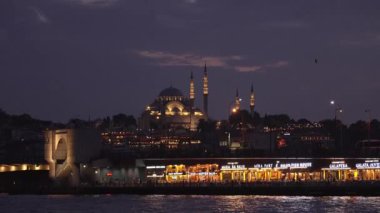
(65,58)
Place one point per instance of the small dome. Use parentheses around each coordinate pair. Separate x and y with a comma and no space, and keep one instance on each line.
(170,91)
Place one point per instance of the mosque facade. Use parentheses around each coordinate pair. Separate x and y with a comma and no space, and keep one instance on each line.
(174,110)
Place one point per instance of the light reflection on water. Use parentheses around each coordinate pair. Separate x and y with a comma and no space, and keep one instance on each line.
(184,203)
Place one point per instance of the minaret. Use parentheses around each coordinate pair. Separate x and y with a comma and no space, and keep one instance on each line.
(252,101)
(237,101)
(192,91)
(205,91)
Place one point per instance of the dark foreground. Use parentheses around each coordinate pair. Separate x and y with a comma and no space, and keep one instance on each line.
(288,189)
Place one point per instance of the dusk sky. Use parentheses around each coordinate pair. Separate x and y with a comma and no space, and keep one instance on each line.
(61,59)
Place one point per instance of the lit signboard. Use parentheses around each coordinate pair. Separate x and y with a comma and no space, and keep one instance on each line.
(368,164)
(337,165)
(302,165)
(155,176)
(175,173)
(155,167)
(263,166)
(202,173)
(278,165)
(233,166)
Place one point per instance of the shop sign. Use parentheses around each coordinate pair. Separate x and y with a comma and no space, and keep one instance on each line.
(370,164)
(155,167)
(263,166)
(338,165)
(175,173)
(302,165)
(202,173)
(233,166)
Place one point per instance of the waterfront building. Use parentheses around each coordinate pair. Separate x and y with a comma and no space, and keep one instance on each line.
(240,170)
(251,170)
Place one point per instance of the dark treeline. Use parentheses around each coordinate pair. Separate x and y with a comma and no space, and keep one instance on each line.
(346,137)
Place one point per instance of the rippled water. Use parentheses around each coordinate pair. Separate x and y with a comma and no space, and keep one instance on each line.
(184,203)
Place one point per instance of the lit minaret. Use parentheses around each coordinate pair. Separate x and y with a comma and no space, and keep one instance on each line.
(252,100)
(205,91)
(192,91)
(237,101)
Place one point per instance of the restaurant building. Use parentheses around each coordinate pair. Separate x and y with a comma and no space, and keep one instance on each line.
(245,170)
(241,170)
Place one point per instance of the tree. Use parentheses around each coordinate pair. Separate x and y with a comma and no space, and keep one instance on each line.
(280,120)
(241,117)
(123,121)
(303,121)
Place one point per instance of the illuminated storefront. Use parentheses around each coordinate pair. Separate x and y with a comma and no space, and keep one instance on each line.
(156,173)
(233,171)
(337,171)
(203,173)
(176,173)
(368,170)
(251,170)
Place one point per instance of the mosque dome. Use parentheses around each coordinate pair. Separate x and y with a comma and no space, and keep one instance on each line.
(171,92)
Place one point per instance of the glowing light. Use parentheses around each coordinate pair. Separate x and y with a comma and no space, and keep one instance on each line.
(303,165)
(233,167)
(252,100)
(198,113)
(175,173)
(205,84)
(155,176)
(368,165)
(263,166)
(192,89)
(155,167)
(337,165)
(24,167)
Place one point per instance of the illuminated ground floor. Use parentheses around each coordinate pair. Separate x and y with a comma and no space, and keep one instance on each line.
(23,167)
(260,170)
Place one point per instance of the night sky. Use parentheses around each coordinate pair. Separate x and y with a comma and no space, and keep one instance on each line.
(61,59)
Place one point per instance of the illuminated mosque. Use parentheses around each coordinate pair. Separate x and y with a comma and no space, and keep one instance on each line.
(172,110)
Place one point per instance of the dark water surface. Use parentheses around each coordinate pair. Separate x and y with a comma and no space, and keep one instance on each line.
(184,203)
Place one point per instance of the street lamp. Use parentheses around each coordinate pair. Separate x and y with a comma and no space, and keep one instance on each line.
(235,109)
(337,110)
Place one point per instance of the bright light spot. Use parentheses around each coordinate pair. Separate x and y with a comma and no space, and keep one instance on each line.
(332,102)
